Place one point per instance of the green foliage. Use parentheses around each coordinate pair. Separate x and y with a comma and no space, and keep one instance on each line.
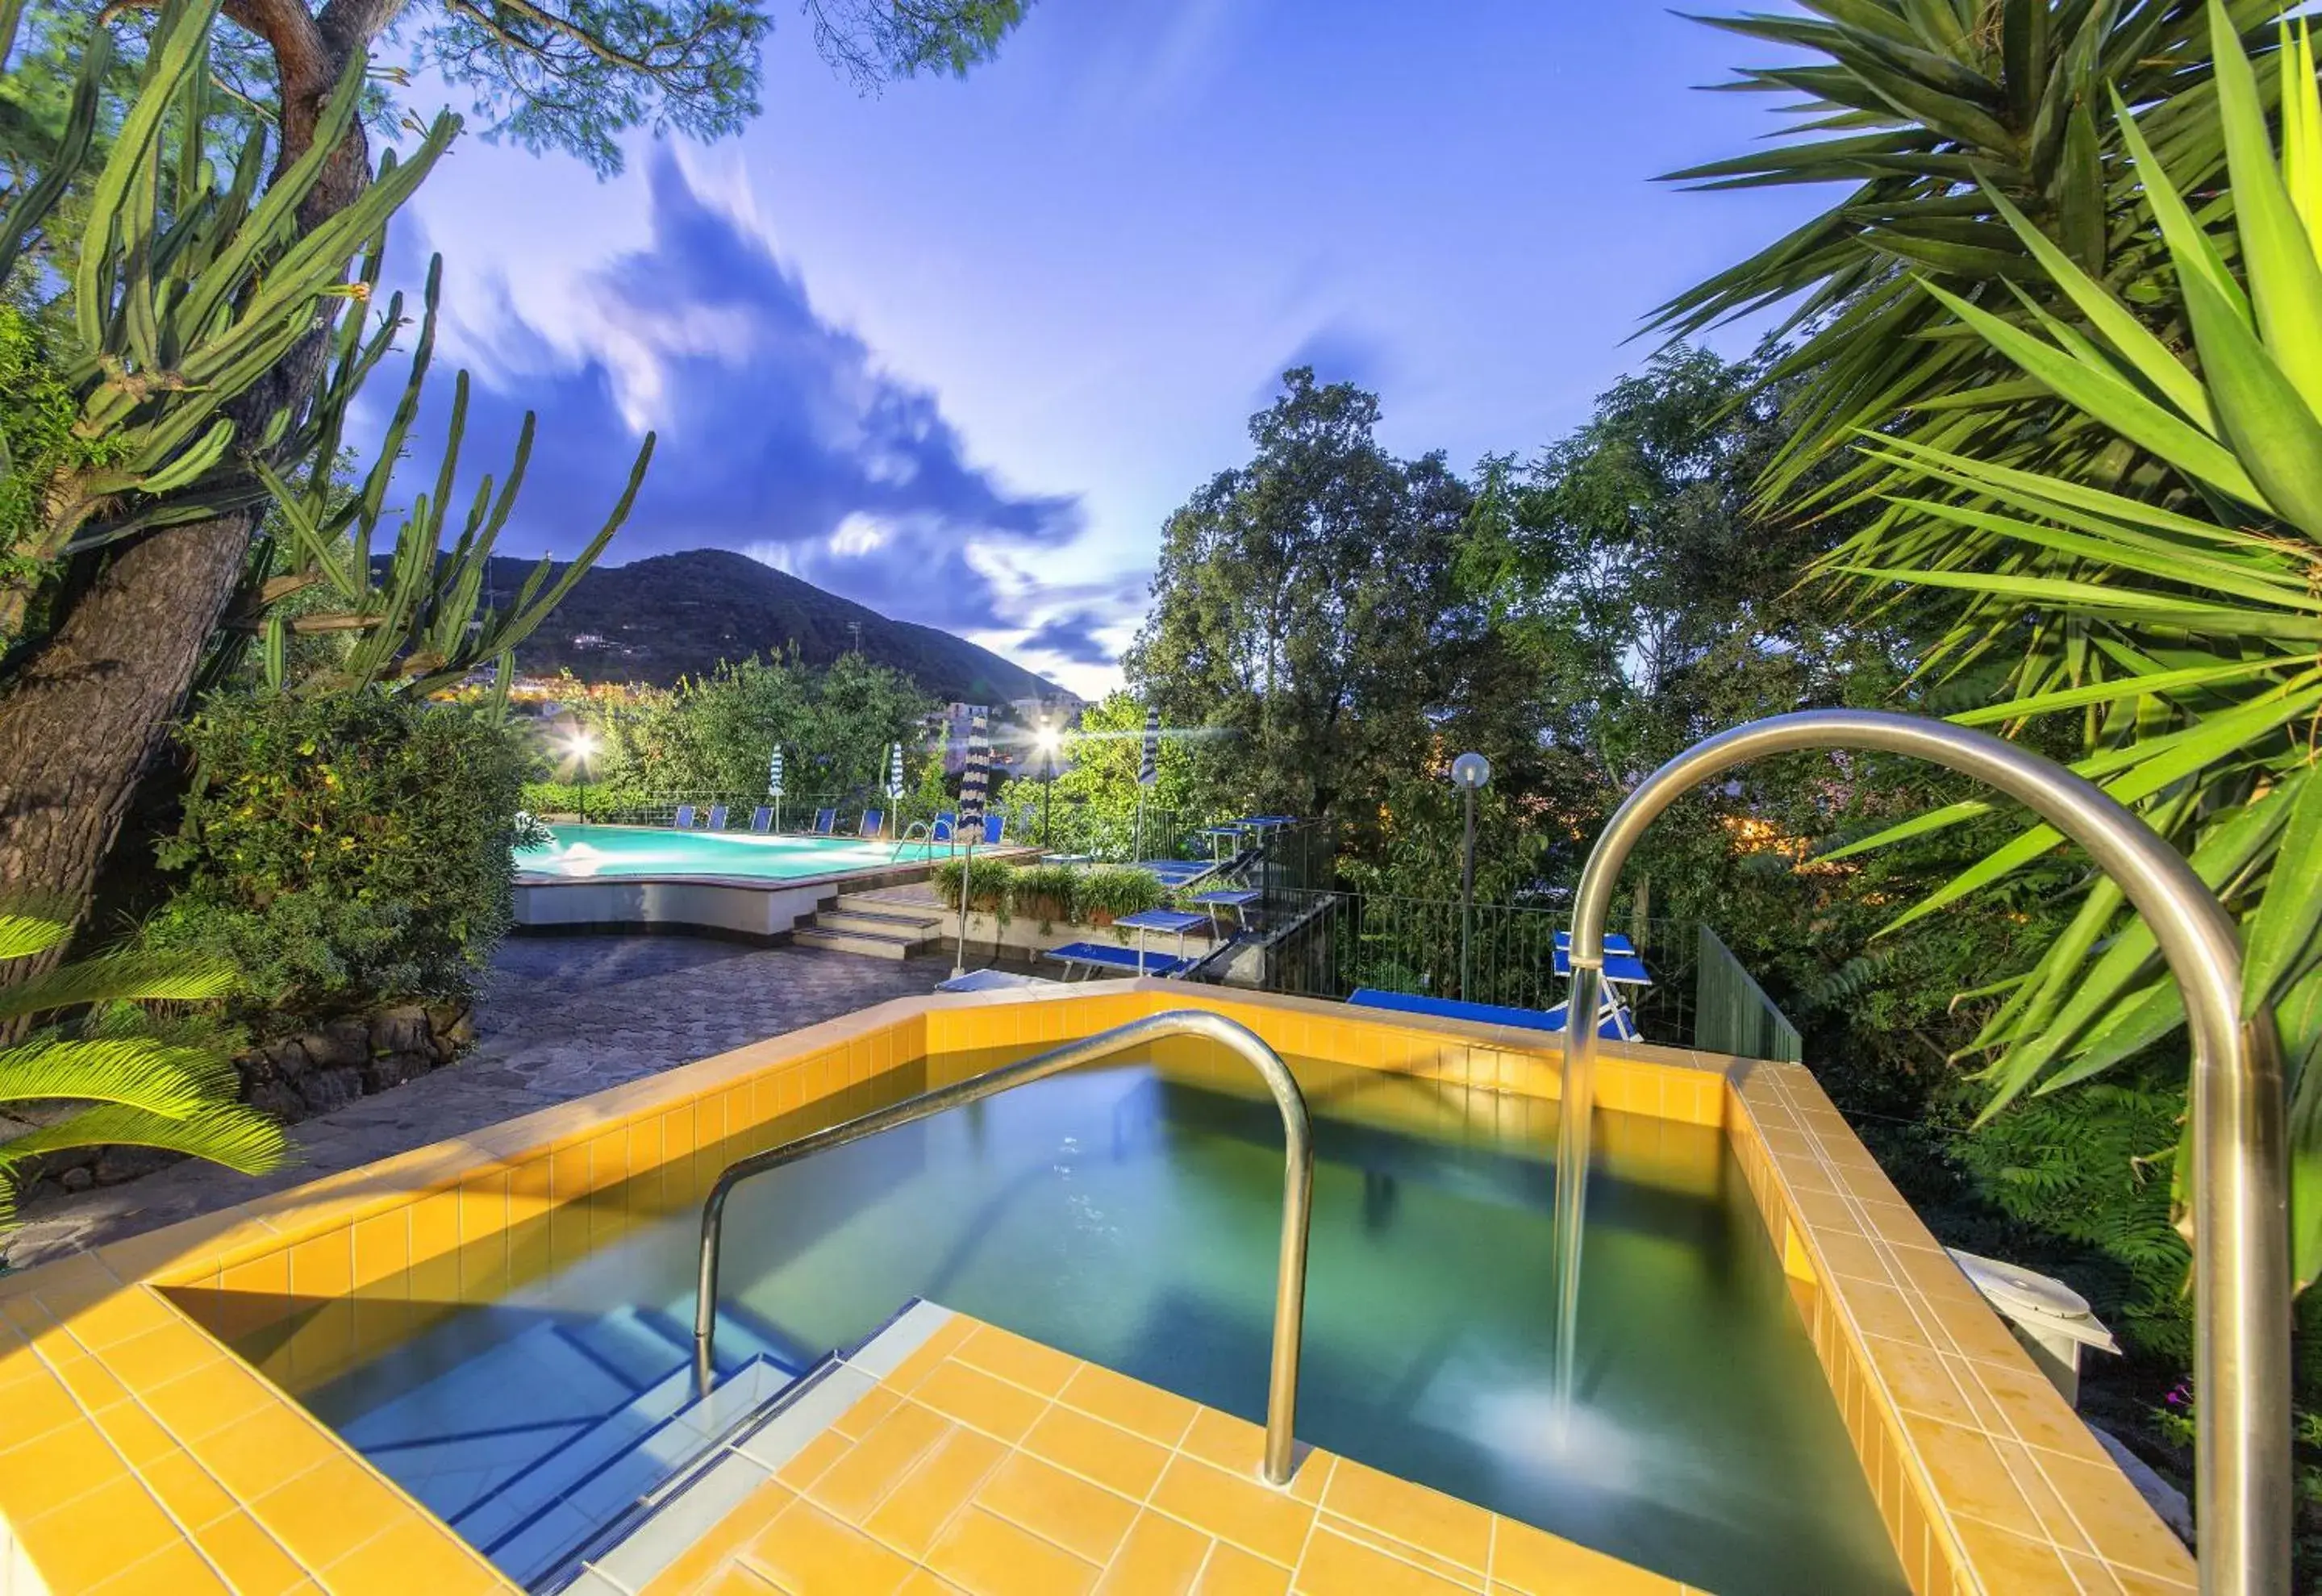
(2094,1166)
(574,78)
(1932,122)
(1044,893)
(1092,802)
(38,445)
(992,890)
(187,289)
(2181,647)
(711,736)
(1303,607)
(1111,890)
(1079,894)
(114,1073)
(344,851)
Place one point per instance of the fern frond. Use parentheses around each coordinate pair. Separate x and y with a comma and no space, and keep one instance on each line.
(119,978)
(159,1077)
(22,935)
(234,1135)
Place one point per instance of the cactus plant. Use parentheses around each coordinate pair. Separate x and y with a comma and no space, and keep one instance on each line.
(425,626)
(185,293)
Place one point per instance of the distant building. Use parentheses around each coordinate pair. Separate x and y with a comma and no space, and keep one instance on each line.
(955,722)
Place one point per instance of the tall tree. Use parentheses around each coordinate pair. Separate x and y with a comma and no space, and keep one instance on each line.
(86,704)
(1635,572)
(1304,602)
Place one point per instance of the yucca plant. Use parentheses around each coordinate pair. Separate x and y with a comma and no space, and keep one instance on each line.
(120,1074)
(1931,112)
(2188,644)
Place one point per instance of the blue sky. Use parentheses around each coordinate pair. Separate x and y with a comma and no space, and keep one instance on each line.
(956,350)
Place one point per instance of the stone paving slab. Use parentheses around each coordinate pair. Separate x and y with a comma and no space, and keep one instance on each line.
(560,1017)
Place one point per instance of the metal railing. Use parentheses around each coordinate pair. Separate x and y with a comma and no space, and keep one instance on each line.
(2240,1179)
(1326,944)
(1297,1186)
(1732,1014)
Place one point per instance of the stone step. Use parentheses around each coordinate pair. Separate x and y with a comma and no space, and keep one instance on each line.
(887,909)
(876,946)
(855,922)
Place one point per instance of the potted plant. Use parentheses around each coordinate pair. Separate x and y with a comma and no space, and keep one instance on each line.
(989,893)
(1107,892)
(1044,893)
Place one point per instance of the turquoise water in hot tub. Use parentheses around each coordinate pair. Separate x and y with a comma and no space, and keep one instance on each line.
(1130,1217)
(589,852)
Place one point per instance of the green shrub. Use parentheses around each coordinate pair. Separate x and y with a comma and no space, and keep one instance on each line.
(345,851)
(1113,891)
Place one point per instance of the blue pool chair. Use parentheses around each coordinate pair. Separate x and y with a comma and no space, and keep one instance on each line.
(873,824)
(1085,958)
(684,818)
(940,832)
(763,821)
(1614,1023)
(717,817)
(826,822)
(994,827)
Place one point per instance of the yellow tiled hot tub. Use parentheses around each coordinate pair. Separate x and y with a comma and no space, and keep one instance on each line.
(152,1442)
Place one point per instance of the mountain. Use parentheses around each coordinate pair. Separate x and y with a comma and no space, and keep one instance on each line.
(656,619)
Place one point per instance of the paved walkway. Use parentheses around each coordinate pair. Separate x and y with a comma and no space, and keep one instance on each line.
(560,1018)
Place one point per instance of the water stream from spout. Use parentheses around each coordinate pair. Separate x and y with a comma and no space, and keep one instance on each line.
(1576,1112)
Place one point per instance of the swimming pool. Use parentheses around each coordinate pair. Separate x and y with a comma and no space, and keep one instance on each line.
(1127,1216)
(595,852)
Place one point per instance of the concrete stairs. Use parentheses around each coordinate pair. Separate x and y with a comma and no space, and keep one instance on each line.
(876,927)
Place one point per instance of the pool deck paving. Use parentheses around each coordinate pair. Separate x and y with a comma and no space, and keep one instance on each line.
(560,1018)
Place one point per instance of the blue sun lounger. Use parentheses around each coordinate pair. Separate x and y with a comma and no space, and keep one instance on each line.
(1622,965)
(763,821)
(683,819)
(826,822)
(1178,872)
(1084,959)
(873,824)
(717,817)
(1613,1022)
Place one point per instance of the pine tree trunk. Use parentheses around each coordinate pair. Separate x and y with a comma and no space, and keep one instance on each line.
(92,706)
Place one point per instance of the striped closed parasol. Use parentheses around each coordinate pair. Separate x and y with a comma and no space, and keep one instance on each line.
(1149,769)
(774,773)
(976,779)
(895,773)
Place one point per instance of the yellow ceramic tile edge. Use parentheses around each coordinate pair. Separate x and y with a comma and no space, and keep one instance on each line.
(2029,1406)
(195,1249)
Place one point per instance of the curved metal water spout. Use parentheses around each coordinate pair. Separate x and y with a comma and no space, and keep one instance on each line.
(2241,1260)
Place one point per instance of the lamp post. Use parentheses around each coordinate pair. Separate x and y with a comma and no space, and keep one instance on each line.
(581,744)
(1469,771)
(1047,740)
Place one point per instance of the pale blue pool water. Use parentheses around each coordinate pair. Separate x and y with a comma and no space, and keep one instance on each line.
(589,852)
(1130,1217)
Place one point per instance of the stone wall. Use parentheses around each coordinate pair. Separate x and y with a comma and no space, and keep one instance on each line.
(329,1067)
(298,1078)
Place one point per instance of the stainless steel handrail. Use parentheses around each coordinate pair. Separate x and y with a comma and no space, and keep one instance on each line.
(1297,1185)
(2241,1231)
